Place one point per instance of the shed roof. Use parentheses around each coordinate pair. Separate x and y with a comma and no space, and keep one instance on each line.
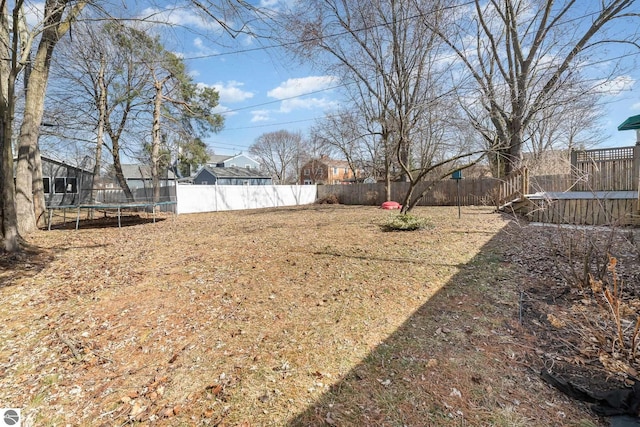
(138,171)
(632,122)
(60,163)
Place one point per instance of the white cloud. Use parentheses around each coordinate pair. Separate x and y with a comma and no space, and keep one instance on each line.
(301,86)
(260,116)
(231,91)
(269,3)
(636,106)
(201,49)
(34,13)
(177,16)
(221,109)
(289,105)
(616,86)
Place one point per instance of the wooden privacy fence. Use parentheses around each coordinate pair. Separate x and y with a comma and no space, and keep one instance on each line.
(514,186)
(606,169)
(473,191)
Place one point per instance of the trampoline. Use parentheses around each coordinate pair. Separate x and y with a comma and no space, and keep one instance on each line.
(118,207)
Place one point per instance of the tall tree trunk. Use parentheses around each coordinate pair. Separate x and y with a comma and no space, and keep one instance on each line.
(7,208)
(155,140)
(27,171)
(102,110)
(8,70)
(30,204)
(117,166)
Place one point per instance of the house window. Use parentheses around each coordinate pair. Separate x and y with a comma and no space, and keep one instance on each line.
(307,182)
(72,185)
(204,183)
(335,171)
(59,185)
(307,172)
(46,185)
(65,185)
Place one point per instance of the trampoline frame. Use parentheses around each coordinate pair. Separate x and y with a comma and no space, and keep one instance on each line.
(118,207)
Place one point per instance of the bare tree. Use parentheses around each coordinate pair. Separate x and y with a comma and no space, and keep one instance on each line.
(560,128)
(8,76)
(124,79)
(278,153)
(394,60)
(58,16)
(24,203)
(524,57)
(346,132)
(23,206)
(176,98)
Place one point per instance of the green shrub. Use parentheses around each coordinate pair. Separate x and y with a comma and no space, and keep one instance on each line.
(406,222)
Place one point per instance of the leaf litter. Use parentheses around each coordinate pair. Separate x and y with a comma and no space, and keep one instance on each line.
(300,316)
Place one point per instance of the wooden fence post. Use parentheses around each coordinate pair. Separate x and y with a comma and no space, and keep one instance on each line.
(636,167)
(525,181)
(636,173)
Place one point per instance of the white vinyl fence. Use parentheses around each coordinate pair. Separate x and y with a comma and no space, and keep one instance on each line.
(213,198)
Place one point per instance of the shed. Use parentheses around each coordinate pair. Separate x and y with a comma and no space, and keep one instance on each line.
(65,184)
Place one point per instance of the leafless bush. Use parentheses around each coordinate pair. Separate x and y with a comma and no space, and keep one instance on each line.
(582,254)
(618,330)
(330,199)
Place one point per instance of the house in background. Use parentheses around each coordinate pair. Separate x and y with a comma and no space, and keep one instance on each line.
(139,176)
(230,176)
(64,184)
(327,171)
(238,160)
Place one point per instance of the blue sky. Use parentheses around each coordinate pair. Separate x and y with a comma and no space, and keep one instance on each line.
(261,90)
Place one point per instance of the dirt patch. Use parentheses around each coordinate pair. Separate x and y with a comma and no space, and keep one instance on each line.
(295,316)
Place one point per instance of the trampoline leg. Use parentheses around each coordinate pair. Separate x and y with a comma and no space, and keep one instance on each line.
(50,214)
(119,226)
(77,218)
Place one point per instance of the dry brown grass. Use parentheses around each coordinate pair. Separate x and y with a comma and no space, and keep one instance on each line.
(296,316)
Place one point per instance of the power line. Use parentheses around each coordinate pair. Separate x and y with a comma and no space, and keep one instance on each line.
(274,124)
(323,37)
(287,98)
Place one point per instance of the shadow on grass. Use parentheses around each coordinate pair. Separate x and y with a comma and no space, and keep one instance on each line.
(105,222)
(25,263)
(387,259)
(457,360)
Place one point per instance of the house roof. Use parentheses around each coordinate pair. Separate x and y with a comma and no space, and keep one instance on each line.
(330,162)
(59,163)
(215,159)
(234,172)
(137,171)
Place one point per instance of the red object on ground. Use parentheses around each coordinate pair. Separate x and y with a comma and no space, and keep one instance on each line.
(391,205)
